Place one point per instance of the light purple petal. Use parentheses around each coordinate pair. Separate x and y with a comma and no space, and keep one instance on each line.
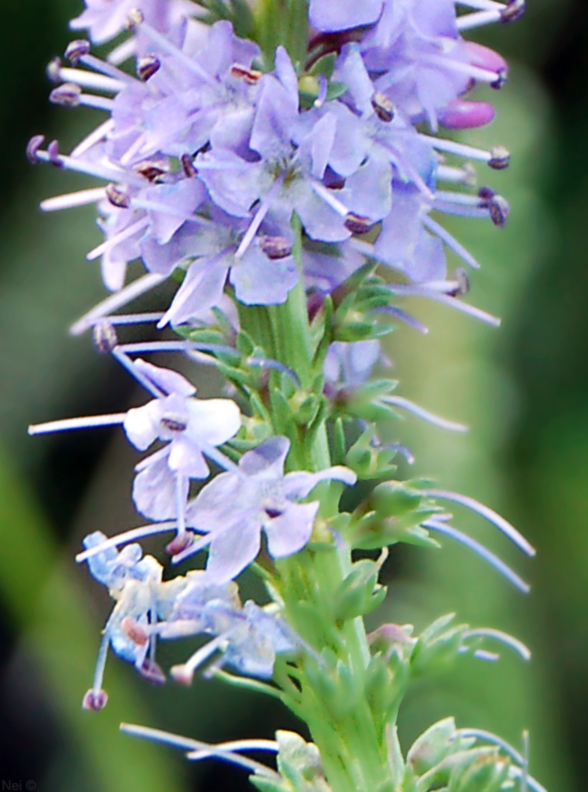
(332,15)
(154,489)
(165,379)
(290,532)
(187,459)
(233,550)
(213,421)
(259,280)
(267,459)
(300,484)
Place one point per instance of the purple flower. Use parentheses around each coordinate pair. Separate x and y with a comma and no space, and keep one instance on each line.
(248,636)
(237,506)
(105,19)
(191,429)
(351,363)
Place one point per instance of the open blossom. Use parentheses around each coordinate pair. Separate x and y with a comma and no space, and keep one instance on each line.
(235,507)
(191,429)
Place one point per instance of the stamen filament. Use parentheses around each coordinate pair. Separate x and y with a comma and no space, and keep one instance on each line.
(125,538)
(71,200)
(479,549)
(409,406)
(69,424)
(499,635)
(488,514)
(115,240)
(126,295)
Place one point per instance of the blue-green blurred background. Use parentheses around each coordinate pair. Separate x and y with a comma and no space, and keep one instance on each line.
(522,389)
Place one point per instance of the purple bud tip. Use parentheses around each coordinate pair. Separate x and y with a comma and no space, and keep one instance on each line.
(180,543)
(152,672)
(462,114)
(383,107)
(152,171)
(53,151)
(67,95)
(53,70)
(250,76)
(76,49)
(134,19)
(33,147)
(188,166)
(513,11)
(499,210)
(118,196)
(95,700)
(499,158)
(105,338)
(276,247)
(357,224)
(147,67)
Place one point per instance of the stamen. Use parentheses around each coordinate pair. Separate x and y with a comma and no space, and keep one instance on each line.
(123,52)
(86,79)
(87,167)
(69,424)
(494,79)
(168,47)
(184,673)
(450,241)
(452,302)
(126,295)
(181,488)
(486,736)
(409,406)
(94,137)
(115,240)
(488,514)
(126,537)
(96,697)
(404,317)
(498,635)
(465,175)
(127,363)
(104,337)
(497,154)
(330,199)
(479,549)
(195,746)
(71,200)
(529,781)
(259,216)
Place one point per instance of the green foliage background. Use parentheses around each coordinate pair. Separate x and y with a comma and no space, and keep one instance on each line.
(522,389)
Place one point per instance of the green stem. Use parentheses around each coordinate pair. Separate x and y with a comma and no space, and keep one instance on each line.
(354,750)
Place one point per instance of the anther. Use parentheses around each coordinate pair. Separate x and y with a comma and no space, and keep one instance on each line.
(105,338)
(276,247)
(499,210)
(152,171)
(188,166)
(147,67)
(486,193)
(250,76)
(33,147)
(95,700)
(53,152)
(501,80)
(133,630)
(513,11)
(134,19)
(182,674)
(499,158)
(463,282)
(180,543)
(53,70)
(67,95)
(118,196)
(383,107)
(76,49)
(357,224)
(174,423)
(150,671)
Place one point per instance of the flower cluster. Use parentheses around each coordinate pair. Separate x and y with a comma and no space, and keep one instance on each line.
(291,200)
